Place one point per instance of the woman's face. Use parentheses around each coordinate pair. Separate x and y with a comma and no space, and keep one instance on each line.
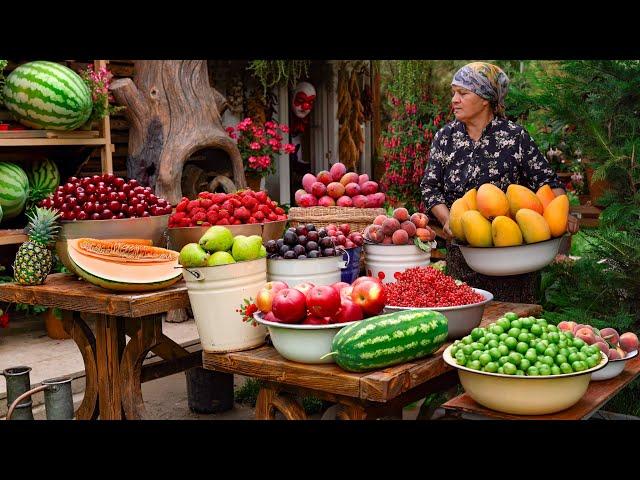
(466,104)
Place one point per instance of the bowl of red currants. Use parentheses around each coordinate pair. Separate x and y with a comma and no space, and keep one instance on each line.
(108,207)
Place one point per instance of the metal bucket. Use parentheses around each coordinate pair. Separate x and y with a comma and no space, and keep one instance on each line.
(215,294)
(384,261)
(351,271)
(319,271)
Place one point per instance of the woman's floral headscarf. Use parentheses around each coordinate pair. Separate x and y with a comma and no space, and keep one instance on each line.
(485,80)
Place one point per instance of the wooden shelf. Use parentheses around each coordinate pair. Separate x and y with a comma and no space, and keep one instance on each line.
(39,142)
(12,236)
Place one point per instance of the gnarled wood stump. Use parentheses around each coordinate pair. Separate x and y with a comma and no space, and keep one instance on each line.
(173,112)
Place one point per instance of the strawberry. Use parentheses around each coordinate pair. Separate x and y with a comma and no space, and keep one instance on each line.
(241,213)
(205,224)
(206,203)
(228,206)
(272,217)
(236,202)
(249,202)
(178,216)
(252,220)
(193,204)
(212,217)
(223,213)
(237,222)
(278,211)
(222,221)
(185,222)
(264,209)
(218,198)
(214,208)
(259,216)
(199,217)
(262,196)
(232,219)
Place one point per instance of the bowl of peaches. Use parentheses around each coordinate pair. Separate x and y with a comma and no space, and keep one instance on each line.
(618,348)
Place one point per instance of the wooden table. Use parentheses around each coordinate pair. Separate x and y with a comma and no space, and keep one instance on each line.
(358,395)
(595,397)
(113,367)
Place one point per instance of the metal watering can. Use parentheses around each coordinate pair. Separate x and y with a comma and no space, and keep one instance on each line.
(58,399)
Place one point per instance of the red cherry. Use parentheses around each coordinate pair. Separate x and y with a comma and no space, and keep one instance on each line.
(133,182)
(65,207)
(126,188)
(134,201)
(69,187)
(102,197)
(106,214)
(115,206)
(152,199)
(90,188)
(138,189)
(89,207)
(82,216)
(73,180)
(140,209)
(145,214)
(95,216)
(118,182)
(122,197)
(161,202)
(113,196)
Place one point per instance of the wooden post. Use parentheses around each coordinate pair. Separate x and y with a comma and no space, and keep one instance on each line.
(105,131)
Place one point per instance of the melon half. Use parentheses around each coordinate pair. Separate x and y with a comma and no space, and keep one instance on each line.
(127,275)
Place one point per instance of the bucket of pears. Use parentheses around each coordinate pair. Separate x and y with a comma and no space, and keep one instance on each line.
(220,271)
(510,233)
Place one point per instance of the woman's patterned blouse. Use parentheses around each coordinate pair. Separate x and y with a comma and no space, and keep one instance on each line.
(504,154)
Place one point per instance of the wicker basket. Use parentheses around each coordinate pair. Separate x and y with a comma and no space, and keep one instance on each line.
(357,218)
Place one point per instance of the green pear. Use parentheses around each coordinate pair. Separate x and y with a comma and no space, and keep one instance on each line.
(263,252)
(246,248)
(192,255)
(220,258)
(217,239)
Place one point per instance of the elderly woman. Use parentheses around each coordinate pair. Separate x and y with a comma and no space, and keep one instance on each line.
(481,146)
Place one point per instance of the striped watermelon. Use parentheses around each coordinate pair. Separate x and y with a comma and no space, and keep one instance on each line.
(14,187)
(47,95)
(44,178)
(390,339)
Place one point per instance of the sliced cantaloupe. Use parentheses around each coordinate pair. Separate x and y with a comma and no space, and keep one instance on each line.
(115,266)
(139,241)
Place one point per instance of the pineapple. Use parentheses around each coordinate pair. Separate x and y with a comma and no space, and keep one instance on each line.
(34,258)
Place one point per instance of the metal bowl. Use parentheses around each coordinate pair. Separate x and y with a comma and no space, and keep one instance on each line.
(503,261)
(523,395)
(462,319)
(613,368)
(150,228)
(179,237)
(302,343)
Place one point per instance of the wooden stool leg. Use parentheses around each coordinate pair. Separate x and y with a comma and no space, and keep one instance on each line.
(109,345)
(86,342)
(270,400)
(350,412)
(147,337)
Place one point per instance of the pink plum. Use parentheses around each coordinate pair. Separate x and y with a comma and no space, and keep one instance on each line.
(307,181)
(337,170)
(344,201)
(326,201)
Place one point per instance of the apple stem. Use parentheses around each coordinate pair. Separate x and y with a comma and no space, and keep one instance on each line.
(328,355)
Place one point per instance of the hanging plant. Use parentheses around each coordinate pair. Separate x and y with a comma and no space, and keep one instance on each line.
(3,64)
(271,73)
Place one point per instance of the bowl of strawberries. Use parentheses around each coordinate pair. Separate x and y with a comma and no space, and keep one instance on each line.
(244,213)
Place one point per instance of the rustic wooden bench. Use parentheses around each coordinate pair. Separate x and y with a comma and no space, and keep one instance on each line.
(113,367)
(374,394)
(596,396)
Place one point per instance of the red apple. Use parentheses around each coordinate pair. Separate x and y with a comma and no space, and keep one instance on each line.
(345,292)
(289,305)
(315,320)
(339,286)
(370,296)
(349,312)
(304,287)
(364,279)
(323,301)
(266,294)
(270,317)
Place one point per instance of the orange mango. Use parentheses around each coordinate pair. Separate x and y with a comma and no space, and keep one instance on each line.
(477,229)
(470,198)
(505,232)
(455,218)
(521,197)
(491,201)
(545,195)
(533,226)
(557,214)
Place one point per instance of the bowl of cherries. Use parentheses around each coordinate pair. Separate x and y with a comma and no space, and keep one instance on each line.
(108,207)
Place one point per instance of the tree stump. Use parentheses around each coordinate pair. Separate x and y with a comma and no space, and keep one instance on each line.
(173,112)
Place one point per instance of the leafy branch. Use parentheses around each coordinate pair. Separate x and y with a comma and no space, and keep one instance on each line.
(271,73)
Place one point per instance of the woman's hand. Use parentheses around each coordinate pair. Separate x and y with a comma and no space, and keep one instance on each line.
(447,230)
(572,225)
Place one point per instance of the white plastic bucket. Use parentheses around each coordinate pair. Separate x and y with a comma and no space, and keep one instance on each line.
(384,261)
(319,271)
(215,294)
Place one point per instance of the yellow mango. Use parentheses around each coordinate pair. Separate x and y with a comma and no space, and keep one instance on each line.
(533,226)
(521,197)
(455,218)
(505,232)
(546,195)
(470,198)
(491,201)
(557,214)
(477,229)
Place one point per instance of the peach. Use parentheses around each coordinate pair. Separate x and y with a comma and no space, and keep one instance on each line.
(324,177)
(628,341)
(379,219)
(344,201)
(308,200)
(390,225)
(610,335)
(299,194)
(567,326)
(409,227)
(352,189)
(367,188)
(400,237)
(337,170)
(363,178)
(604,348)
(326,201)
(420,220)
(359,201)
(401,214)
(586,335)
(307,181)
(319,189)
(622,352)
(335,190)
(578,326)
(613,354)
(376,233)
(387,240)
(351,177)
(425,234)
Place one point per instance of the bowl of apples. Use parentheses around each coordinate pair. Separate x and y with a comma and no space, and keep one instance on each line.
(303,320)
(618,348)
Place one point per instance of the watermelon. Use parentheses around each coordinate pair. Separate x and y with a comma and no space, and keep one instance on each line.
(14,188)
(47,95)
(390,339)
(44,178)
